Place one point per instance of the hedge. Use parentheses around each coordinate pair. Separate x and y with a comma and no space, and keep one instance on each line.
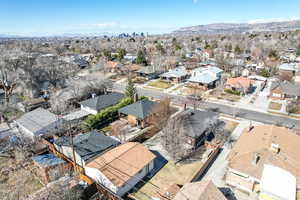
(106,115)
(230,91)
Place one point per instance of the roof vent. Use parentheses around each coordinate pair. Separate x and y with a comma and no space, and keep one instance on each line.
(256,158)
(275,148)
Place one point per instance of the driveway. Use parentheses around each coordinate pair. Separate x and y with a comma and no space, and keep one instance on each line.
(218,169)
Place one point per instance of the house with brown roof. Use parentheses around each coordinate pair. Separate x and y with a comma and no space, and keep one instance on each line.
(203,190)
(240,84)
(112,66)
(260,146)
(121,168)
(284,90)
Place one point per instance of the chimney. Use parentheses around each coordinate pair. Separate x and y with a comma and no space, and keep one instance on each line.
(135,98)
(256,158)
(275,148)
(250,126)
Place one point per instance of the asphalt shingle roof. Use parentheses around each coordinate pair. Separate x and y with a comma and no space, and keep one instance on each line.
(88,145)
(287,88)
(198,122)
(103,101)
(37,119)
(140,109)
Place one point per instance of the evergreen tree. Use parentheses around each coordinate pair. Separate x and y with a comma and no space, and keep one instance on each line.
(130,90)
(141,58)
(121,53)
(237,49)
(298,50)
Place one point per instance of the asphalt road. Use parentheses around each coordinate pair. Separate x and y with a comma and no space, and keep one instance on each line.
(221,108)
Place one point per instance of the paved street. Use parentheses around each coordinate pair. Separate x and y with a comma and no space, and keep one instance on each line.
(226,109)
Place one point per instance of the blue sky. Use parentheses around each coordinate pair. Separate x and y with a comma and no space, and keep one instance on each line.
(40,17)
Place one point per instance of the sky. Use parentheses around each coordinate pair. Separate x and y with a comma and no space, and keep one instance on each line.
(54,17)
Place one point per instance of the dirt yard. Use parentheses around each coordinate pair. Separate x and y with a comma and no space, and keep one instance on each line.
(16,181)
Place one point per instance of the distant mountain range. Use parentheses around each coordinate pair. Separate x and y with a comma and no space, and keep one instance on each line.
(231,28)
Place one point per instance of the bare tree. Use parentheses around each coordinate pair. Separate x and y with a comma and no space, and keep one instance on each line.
(173,137)
(8,82)
(120,129)
(162,112)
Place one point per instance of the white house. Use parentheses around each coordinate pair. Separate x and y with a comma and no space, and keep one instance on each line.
(277,183)
(121,168)
(86,146)
(39,122)
(95,104)
(205,76)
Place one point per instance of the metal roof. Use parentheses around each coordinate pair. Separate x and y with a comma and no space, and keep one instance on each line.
(37,120)
(204,77)
(177,73)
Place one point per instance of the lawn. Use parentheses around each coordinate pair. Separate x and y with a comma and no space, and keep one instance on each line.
(161,84)
(275,106)
(106,129)
(223,95)
(139,80)
(171,173)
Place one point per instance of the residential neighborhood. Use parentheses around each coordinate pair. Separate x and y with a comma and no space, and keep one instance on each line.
(192,112)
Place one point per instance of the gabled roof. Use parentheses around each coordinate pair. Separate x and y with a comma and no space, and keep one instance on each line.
(149,70)
(103,101)
(88,145)
(37,120)
(288,67)
(198,122)
(258,141)
(203,190)
(112,64)
(287,87)
(122,162)
(140,109)
(205,78)
(175,73)
(239,82)
(205,75)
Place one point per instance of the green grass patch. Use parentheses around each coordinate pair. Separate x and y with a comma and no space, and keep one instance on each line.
(161,84)
(234,92)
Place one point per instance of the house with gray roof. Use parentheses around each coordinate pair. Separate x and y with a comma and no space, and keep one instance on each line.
(86,146)
(284,90)
(95,104)
(149,72)
(199,125)
(39,122)
(205,77)
(175,75)
(139,113)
